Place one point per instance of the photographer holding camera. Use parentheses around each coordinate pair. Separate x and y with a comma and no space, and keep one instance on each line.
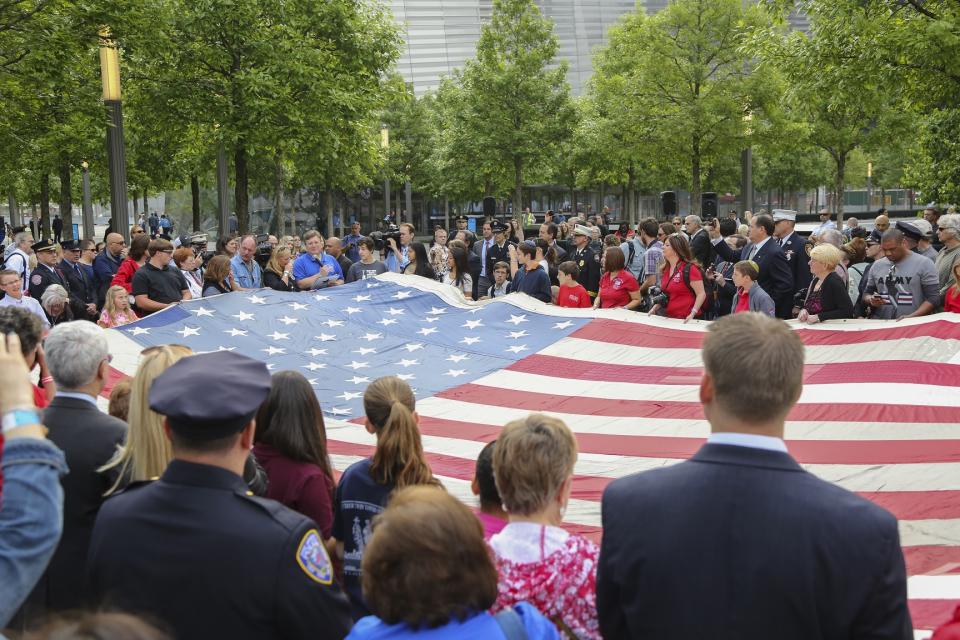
(398,246)
(681,293)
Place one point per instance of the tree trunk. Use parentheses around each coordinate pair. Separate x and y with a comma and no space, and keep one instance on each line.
(694,179)
(278,211)
(240,188)
(631,211)
(573,196)
(66,198)
(840,186)
(136,204)
(328,197)
(517,185)
(14,209)
(195,201)
(146,206)
(45,206)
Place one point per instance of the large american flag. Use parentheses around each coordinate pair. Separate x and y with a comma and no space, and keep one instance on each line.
(879,414)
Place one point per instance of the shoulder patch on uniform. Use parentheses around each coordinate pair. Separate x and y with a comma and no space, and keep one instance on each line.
(313,559)
(36,278)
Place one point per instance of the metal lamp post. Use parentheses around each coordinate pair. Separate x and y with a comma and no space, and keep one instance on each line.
(869,184)
(116,155)
(385,145)
(746,168)
(87,209)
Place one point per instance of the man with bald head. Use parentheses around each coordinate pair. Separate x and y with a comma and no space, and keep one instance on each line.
(106,263)
(334,247)
(881,223)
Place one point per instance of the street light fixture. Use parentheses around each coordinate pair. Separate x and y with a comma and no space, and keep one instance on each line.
(869,184)
(87,209)
(116,155)
(385,145)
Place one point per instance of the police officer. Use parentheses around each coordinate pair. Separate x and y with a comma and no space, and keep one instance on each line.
(196,549)
(587,261)
(499,251)
(83,296)
(47,271)
(462,222)
(785,234)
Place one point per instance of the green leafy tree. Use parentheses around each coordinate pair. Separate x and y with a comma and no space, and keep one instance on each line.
(515,93)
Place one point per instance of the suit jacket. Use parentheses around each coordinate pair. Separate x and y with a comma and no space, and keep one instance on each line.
(743,543)
(798,260)
(702,248)
(82,291)
(589,269)
(89,438)
(497,254)
(775,277)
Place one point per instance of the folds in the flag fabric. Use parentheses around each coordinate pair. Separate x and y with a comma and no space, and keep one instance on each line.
(879,414)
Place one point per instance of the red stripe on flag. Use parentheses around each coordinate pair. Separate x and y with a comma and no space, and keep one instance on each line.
(835,412)
(642,335)
(805,451)
(930,614)
(932,560)
(893,371)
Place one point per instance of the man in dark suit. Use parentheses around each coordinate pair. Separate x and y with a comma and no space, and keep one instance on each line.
(784,230)
(700,245)
(739,542)
(499,251)
(78,357)
(83,295)
(585,260)
(775,277)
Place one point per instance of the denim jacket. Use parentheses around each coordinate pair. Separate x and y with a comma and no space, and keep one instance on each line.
(31,518)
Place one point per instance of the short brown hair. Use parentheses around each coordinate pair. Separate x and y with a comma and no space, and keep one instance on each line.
(313,233)
(181,255)
(501,265)
(426,561)
(570,268)
(534,456)
(158,245)
(120,399)
(613,259)
(756,365)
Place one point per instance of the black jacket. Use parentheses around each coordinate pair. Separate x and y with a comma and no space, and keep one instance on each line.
(702,248)
(589,266)
(742,543)
(196,550)
(796,255)
(273,281)
(43,276)
(834,298)
(775,276)
(89,438)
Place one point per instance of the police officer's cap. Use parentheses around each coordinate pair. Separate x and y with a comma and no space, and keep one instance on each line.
(70,245)
(211,395)
(909,229)
(43,245)
(498,227)
(462,218)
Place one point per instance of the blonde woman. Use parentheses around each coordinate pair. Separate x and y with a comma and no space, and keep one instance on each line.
(116,309)
(147,451)
(279,272)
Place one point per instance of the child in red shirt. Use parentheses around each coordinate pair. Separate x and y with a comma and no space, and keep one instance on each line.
(571,293)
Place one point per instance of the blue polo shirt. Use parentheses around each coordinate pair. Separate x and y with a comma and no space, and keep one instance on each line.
(307,266)
(246,278)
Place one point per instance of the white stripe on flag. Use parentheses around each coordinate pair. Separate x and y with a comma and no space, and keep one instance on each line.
(916,349)
(446,409)
(873,393)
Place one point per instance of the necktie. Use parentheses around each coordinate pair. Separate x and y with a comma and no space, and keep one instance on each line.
(483,258)
(753,252)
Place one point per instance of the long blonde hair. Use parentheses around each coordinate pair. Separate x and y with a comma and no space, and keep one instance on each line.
(147,451)
(110,306)
(274,263)
(389,404)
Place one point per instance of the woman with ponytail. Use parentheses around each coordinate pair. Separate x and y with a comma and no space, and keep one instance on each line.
(365,487)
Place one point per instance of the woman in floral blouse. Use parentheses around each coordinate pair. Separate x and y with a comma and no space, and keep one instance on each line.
(539,562)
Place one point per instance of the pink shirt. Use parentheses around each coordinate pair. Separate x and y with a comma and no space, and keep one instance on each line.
(491,524)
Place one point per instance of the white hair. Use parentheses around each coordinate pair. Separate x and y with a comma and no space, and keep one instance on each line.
(695,220)
(832,236)
(53,294)
(74,351)
(950,221)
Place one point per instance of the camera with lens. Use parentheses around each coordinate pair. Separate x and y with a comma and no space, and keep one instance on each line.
(658,296)
(393,231)
(377,237)
(264,250)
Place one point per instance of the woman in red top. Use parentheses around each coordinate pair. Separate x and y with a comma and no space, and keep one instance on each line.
(134,260)
(291,445)
(951,300)
(684,302)
(618,287)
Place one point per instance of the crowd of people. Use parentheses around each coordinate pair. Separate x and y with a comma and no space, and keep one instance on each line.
(685,269)
(185,518)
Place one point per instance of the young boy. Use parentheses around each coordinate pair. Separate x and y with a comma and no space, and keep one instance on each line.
(500,284)
(369,266)
(571,292)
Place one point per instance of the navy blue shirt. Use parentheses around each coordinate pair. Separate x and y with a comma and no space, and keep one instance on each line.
(358,499)
(534,283)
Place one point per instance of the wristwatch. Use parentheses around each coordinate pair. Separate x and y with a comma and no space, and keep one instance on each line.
(20,418)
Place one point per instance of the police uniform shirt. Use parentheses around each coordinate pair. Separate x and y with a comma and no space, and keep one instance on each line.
(44,276)
(198,551)
(497,253)
(589,270)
